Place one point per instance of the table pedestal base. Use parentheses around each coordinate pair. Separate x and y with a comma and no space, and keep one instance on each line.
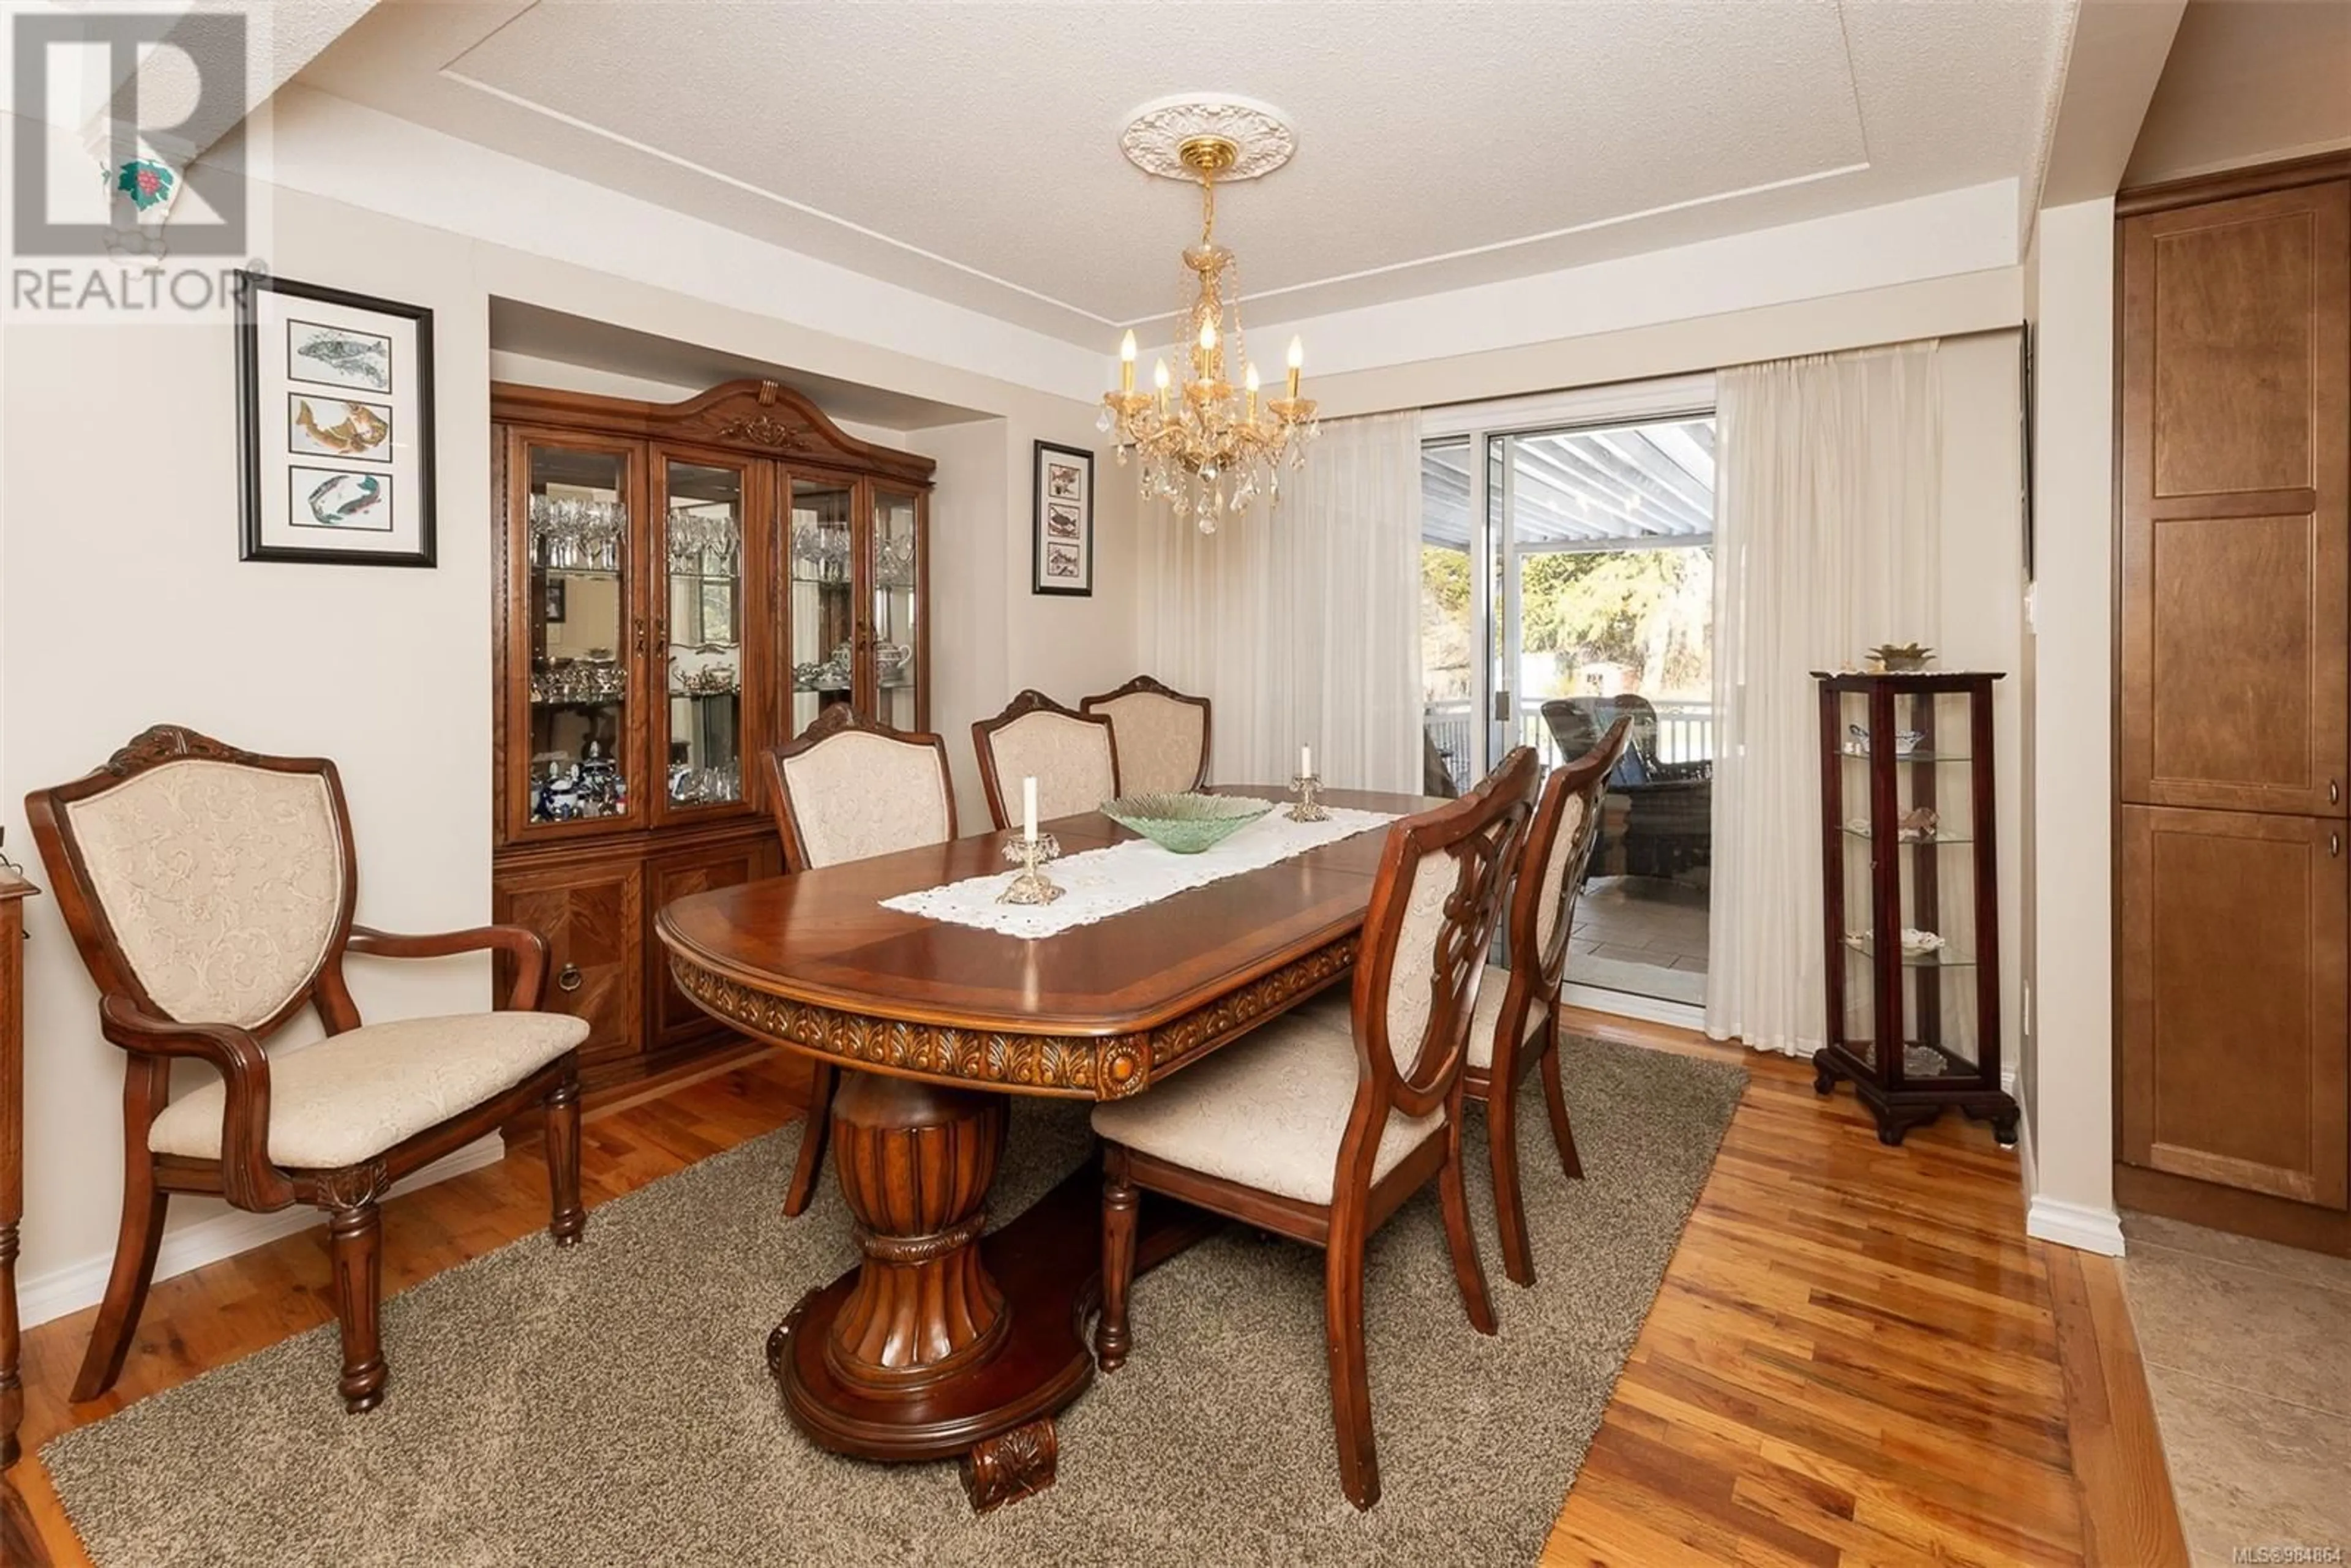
(943,1343)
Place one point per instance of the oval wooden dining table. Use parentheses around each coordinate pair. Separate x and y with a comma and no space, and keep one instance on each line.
(941,1344)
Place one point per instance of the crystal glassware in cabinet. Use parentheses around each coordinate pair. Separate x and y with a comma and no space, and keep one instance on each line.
(823,610)
(702,545)
(577,610)
(896,575)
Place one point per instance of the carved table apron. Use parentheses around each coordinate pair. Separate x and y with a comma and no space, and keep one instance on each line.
(940,1343)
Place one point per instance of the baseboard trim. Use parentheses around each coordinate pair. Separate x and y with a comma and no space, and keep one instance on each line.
(59,1292)
(1624,1004)
(2074,1225)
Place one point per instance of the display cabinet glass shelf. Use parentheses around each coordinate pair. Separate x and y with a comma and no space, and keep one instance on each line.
(1911,898)
(680,585)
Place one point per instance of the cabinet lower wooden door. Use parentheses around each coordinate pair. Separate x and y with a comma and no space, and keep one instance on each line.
(676,1021)
(2236,468)
(2233,1007)
(591,916)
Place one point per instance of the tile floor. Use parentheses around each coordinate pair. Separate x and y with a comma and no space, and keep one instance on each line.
(1643,934)
(2247,1354)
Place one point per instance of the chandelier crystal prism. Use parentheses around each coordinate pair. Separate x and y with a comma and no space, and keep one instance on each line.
(1205,444)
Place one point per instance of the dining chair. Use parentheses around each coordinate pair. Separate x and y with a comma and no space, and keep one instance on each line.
(847,789)
(209,893)
(1517,1023)
(1162,735)
(1073,757)
(1319,1134)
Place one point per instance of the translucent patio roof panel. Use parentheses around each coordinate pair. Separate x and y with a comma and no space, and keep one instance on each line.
(1585,488)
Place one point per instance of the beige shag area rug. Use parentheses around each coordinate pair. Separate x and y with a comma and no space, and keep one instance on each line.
(609,1403)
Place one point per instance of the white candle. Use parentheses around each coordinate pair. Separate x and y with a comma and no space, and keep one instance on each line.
(1306,762)
(1028,809)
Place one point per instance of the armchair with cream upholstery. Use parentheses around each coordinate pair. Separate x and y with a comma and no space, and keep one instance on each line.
(209,893)
(1320,1133)
(849,788)
(1073,757)
(1162,737)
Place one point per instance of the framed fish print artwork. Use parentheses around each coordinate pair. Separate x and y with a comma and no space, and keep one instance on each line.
(335,407)
(1064,521)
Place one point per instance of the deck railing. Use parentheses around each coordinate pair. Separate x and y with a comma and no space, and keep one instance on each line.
(1684,732)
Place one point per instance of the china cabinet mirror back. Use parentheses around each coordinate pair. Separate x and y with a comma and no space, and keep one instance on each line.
(679,585)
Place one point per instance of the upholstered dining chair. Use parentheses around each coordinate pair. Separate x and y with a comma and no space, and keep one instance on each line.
(1162,737)
(847,789)
(1319,1134)
(1073,757)
(1517,1023)
(209,893)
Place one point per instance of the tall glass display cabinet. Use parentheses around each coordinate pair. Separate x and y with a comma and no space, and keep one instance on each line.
(679,586)
(1911,898)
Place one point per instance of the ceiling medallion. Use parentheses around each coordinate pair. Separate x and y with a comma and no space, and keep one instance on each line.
(1154,139)
(1207,446)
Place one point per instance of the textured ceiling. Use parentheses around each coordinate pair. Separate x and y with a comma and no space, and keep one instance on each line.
(971,151)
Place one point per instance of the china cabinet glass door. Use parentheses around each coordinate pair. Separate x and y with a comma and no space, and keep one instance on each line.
(821,534)
(894,570)
(700,548)
(582,628)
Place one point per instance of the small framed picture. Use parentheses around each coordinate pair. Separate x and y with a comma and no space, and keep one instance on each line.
(552,610)
(335,411)
(1065,523)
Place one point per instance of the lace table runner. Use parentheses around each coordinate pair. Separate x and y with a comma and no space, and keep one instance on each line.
(1099,883)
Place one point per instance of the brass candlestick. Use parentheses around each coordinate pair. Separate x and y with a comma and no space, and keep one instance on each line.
(1308,808)
(1031,885)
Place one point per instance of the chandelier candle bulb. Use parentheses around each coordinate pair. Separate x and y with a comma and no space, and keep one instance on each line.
(1250,381)
(1297,362)
(1126,365)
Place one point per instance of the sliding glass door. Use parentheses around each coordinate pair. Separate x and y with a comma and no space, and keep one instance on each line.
(1567,579)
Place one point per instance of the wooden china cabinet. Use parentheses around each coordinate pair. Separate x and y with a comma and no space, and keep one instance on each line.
(679,586)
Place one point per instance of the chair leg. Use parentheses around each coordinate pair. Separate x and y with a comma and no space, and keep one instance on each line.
(1556,1098)
(1120,1203)
(1351,1382)
(567,1219)
(1467,1272)
(143,1205)
(355,1247)
(1502,1155)
(812,1137)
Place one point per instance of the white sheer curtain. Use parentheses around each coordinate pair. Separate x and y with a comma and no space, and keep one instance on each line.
(1302,625)
(1828,524)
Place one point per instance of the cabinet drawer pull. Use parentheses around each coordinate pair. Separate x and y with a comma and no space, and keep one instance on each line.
(2334,792)
(569,979)
(2334,845)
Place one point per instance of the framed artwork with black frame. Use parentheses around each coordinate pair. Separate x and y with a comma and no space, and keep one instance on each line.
(1064,524)
(335,417)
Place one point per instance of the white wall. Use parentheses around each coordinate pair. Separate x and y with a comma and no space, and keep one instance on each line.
(123,604)
(1982,608)
(2072,785)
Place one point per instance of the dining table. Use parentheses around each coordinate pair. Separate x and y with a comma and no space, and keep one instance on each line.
(949,1339)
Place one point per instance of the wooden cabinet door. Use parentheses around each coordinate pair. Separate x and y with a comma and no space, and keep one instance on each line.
(2233,1003)
(592,918)
(2236,463)
(675,1019)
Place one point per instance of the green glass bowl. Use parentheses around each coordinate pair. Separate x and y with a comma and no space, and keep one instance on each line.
(1185,824)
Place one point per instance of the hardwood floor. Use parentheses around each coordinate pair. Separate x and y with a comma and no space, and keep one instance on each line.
(1854,1357)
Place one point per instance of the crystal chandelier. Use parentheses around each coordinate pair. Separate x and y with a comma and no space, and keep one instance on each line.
(1205,445)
